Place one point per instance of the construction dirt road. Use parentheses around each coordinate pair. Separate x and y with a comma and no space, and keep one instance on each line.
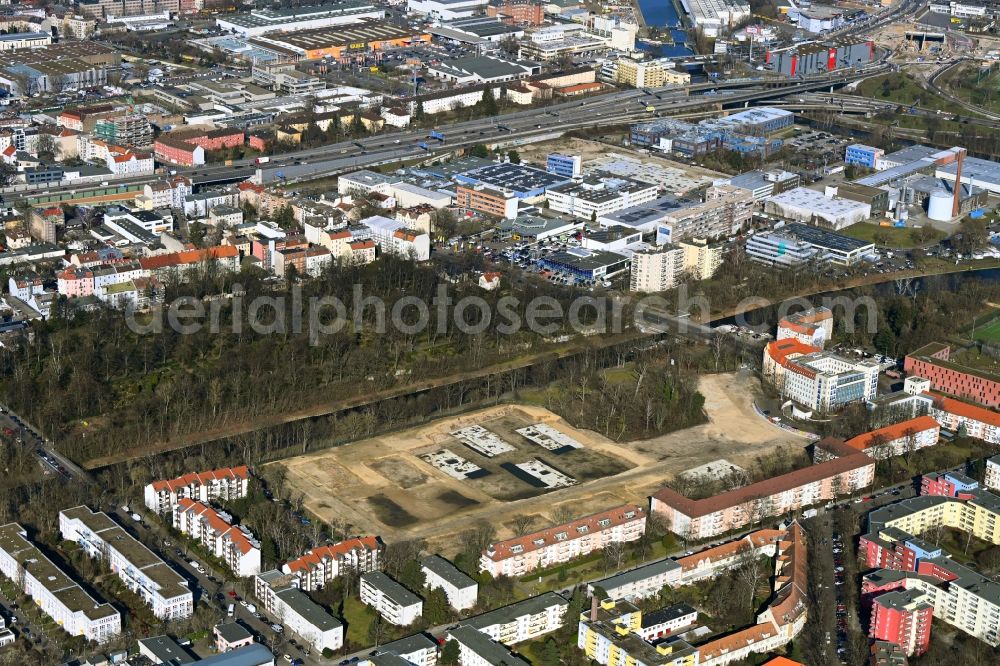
(381,485)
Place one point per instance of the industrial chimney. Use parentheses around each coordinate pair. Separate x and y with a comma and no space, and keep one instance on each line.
(956,201)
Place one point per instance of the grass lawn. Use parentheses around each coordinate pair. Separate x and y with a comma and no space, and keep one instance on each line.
(358,617)
(988,332)
(907,93)
(902,237)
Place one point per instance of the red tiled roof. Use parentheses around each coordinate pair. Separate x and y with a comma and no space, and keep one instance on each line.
(893,432)
(502,550)
(727,550)
(965,409)
(312,559)
(780,350)
(766,488)
(202,478)
(188,257)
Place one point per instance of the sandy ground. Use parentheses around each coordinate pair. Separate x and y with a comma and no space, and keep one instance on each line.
(380,486)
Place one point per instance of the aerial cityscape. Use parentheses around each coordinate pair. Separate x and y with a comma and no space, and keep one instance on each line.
(500,333)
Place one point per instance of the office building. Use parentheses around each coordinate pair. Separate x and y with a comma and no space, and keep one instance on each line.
(796,244)
(52,590)
(810,327)
(394,602)
(859,154)
(143,573)
(294,19)
(806,205)
(597,196)
(562,543)
(933,362)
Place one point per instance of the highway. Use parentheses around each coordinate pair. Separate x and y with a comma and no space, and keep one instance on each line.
(614,108)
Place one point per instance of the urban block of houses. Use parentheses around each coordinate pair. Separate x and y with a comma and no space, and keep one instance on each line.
(52,590)
(561,543)
(321,565)
(922,574)
(234,545)
(143,572)
(393,602)
(220,484)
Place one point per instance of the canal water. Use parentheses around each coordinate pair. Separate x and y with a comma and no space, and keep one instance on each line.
(663,14)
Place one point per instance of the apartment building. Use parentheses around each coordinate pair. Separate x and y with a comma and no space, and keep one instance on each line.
(320,565)
(992,478)
(902,617)
(461,590)
(394,237)
(609,634)
(220,484)
(524,620)
(656,268)
(732,510)
(143,572)
(958,595)
(933,362)
(701,259)
(392,601)
(477,649)
(52,590)
(965,418)
(810,327)
(234,545)
(418,650)
(280,597)
(899,438)
(562,543)
(641,582)
(725,211)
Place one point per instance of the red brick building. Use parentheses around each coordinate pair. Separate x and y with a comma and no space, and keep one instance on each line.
(933,362)
(178,151)
(517,12)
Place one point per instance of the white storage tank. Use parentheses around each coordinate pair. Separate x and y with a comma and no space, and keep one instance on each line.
(939,206)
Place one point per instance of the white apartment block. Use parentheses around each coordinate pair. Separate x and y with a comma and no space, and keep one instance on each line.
(219,484)
(656,269)
(143,572)
(418,650)
(975,421)
(640,583)
(321,565)
(477,649)
(297,612)
(394,237)
(898,438)
(53,591)
(461,590)
(232,544)
(523,620)
(594,197)
(392,601)
(562,543)
(992,478)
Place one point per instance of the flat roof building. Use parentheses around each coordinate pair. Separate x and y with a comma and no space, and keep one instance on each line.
(805,205)
(524,182)
(290,19)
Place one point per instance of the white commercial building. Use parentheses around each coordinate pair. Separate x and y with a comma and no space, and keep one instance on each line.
(804,205)
(394,237)
(824,381)
(297,612)
(143,572)
(392,601)
(714,15)
(52,590)
(461,590)
(594,197)
(232,544)
(446,10)
(293,19)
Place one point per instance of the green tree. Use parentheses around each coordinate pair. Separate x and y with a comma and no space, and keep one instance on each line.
(436,608)
(514,157)
(411,575)
(479,150)
(549,654)
(449,653)
(285,217)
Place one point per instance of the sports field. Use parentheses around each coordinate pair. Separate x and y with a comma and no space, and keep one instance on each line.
(988,332)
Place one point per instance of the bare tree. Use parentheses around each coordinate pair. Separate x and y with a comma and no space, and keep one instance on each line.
(522,525)
(748,571)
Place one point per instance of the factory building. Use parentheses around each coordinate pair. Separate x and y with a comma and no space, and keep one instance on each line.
(813,58)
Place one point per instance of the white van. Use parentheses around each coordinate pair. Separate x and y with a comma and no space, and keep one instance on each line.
(231,610)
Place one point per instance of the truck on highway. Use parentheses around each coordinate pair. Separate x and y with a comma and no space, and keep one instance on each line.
(436,135)
(262,160)
(423,144)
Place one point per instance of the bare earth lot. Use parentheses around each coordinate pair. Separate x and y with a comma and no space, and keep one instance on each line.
(380,486)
